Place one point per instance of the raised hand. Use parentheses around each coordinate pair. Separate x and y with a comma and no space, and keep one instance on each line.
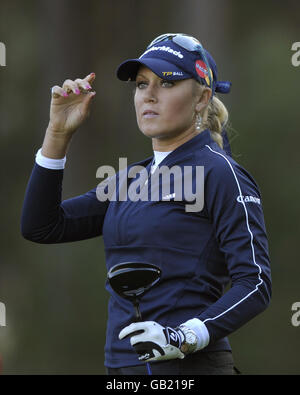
(70,104)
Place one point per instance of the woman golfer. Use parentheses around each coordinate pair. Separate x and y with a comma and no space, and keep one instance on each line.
(205,231)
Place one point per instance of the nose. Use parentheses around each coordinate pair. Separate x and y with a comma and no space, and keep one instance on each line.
(150,94)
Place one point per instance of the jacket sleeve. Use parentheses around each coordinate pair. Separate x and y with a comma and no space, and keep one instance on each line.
(46,219)
(234,207)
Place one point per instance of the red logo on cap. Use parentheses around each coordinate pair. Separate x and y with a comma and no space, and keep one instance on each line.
(201,69)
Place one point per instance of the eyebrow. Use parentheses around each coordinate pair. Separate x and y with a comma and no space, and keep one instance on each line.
(141,75)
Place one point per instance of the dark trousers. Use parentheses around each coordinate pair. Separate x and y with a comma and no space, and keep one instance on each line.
(200,363)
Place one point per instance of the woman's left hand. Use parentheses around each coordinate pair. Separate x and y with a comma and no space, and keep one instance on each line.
(154,342)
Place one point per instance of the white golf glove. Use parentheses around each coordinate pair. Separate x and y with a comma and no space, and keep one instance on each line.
(154,342)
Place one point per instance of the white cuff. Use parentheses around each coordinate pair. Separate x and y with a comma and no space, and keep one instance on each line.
(49,163)
(201,331)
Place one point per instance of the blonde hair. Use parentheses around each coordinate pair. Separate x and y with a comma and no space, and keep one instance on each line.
(215,116)
(215,119)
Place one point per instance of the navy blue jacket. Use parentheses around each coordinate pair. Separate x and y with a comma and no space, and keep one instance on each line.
(199,252)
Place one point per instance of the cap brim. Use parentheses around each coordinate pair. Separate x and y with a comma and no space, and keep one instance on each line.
(163,69)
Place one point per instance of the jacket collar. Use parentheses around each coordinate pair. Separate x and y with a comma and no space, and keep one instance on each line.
(189,147)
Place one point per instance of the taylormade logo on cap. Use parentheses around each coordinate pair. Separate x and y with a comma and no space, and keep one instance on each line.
(163,48)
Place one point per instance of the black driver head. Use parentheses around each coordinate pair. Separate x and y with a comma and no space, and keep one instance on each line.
(132,279)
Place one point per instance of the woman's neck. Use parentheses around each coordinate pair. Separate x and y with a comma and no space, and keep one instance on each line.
(170,144)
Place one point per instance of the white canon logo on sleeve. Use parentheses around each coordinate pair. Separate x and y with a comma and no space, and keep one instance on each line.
(247,199)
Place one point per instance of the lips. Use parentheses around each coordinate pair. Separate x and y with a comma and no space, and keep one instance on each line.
(150,114)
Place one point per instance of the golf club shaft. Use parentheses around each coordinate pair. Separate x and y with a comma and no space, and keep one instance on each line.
(148,368)
(138,316)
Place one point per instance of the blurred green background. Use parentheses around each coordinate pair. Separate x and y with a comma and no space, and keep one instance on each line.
(56,305)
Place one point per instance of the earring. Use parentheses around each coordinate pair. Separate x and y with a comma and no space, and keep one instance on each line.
(198,122)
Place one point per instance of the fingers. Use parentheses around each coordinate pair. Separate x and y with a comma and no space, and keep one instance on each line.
(132,329)
(57,91)
(71,86)
(83,85)
(87,100)
(77,87)
(90,78)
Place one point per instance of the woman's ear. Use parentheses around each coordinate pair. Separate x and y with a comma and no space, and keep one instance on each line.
(204,99)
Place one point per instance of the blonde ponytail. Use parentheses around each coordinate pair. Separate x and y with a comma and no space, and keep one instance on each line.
(215,120)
